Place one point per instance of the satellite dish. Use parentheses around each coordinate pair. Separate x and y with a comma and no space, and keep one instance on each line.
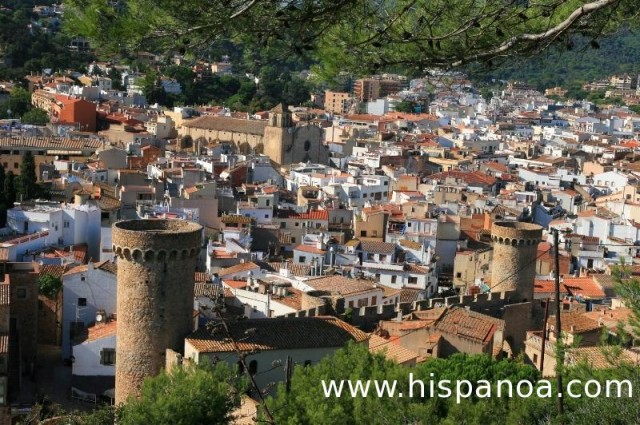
(99,318)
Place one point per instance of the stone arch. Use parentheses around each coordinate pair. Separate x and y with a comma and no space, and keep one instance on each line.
(148,255)
(183,254)
(137,255)
(500,240)
(514,242)
(173,255)
(507,241)
(127,254)
(193,252)
(162,255)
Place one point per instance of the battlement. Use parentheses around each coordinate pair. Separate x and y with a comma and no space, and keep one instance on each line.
(366,316)
(156,240)
(515,233)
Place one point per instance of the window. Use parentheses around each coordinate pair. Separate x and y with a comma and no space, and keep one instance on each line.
(370,257)
(268,202)
(350,304)
(266,216)
(378,277)
(293,239)
(108,356)
(363,233)
(253,367)
(318,225)
(283,225)
(82,302)
(83,278)
(413,280)
(374,300)
(458,275)
(15,165)
(394,278)
(307,363)
(21,293)
(363,302)
(535,359)
(302,259)
(66,224)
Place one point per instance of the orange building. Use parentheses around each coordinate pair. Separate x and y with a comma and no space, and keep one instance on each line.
(70,110)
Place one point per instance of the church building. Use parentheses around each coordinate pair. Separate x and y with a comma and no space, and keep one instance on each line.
(279,138)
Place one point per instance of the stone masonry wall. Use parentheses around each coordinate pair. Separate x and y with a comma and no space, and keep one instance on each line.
(156,269)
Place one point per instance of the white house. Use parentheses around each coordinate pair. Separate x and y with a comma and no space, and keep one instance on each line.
(306,340)
(94,359)
(65,224)
(86,290)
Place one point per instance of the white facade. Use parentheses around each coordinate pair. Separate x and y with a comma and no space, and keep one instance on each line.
(86,357)
(66,224)
(86,290)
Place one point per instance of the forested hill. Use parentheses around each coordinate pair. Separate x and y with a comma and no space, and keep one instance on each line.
(613,55)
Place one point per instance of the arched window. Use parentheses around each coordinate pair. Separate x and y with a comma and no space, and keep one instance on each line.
(307,145)
(253,367)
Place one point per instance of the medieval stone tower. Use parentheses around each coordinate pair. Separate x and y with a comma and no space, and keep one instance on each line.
(156,272)
(514,258)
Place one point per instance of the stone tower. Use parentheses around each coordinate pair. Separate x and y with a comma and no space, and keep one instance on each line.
(514,258)
(156,271)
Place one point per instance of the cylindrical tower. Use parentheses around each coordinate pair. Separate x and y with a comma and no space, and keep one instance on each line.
(156,271)
(515,247)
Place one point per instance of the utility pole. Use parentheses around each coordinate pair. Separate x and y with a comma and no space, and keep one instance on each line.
(544,335)
(559,350)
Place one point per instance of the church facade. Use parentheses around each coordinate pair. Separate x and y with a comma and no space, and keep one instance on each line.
(279,138)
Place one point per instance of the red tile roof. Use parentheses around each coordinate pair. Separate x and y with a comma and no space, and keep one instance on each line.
(584,286)
(278,334)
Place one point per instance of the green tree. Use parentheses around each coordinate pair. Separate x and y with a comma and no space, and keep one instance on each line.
(27,186)
(359,35)
(35,116)
(10,189)
(49,285)
(406,106)
(203,394)
(19,103)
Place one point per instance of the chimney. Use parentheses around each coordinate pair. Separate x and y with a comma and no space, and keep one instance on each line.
(247,311)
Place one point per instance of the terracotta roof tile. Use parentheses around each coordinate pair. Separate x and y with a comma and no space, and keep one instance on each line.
(238,268)
(239,219)
(575,322)
(310,249)
(391,350)
(340,284)
(584,286)
(278,334)
(598,358)
(377,247)
(233,125)
(469,324)
(97,331)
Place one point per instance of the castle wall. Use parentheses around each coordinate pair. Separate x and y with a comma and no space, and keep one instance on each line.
(156,269)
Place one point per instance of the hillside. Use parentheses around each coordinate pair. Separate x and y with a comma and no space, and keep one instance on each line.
(616,54)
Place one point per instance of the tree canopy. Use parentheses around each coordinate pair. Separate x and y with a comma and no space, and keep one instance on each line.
(354,35)
(49,285)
